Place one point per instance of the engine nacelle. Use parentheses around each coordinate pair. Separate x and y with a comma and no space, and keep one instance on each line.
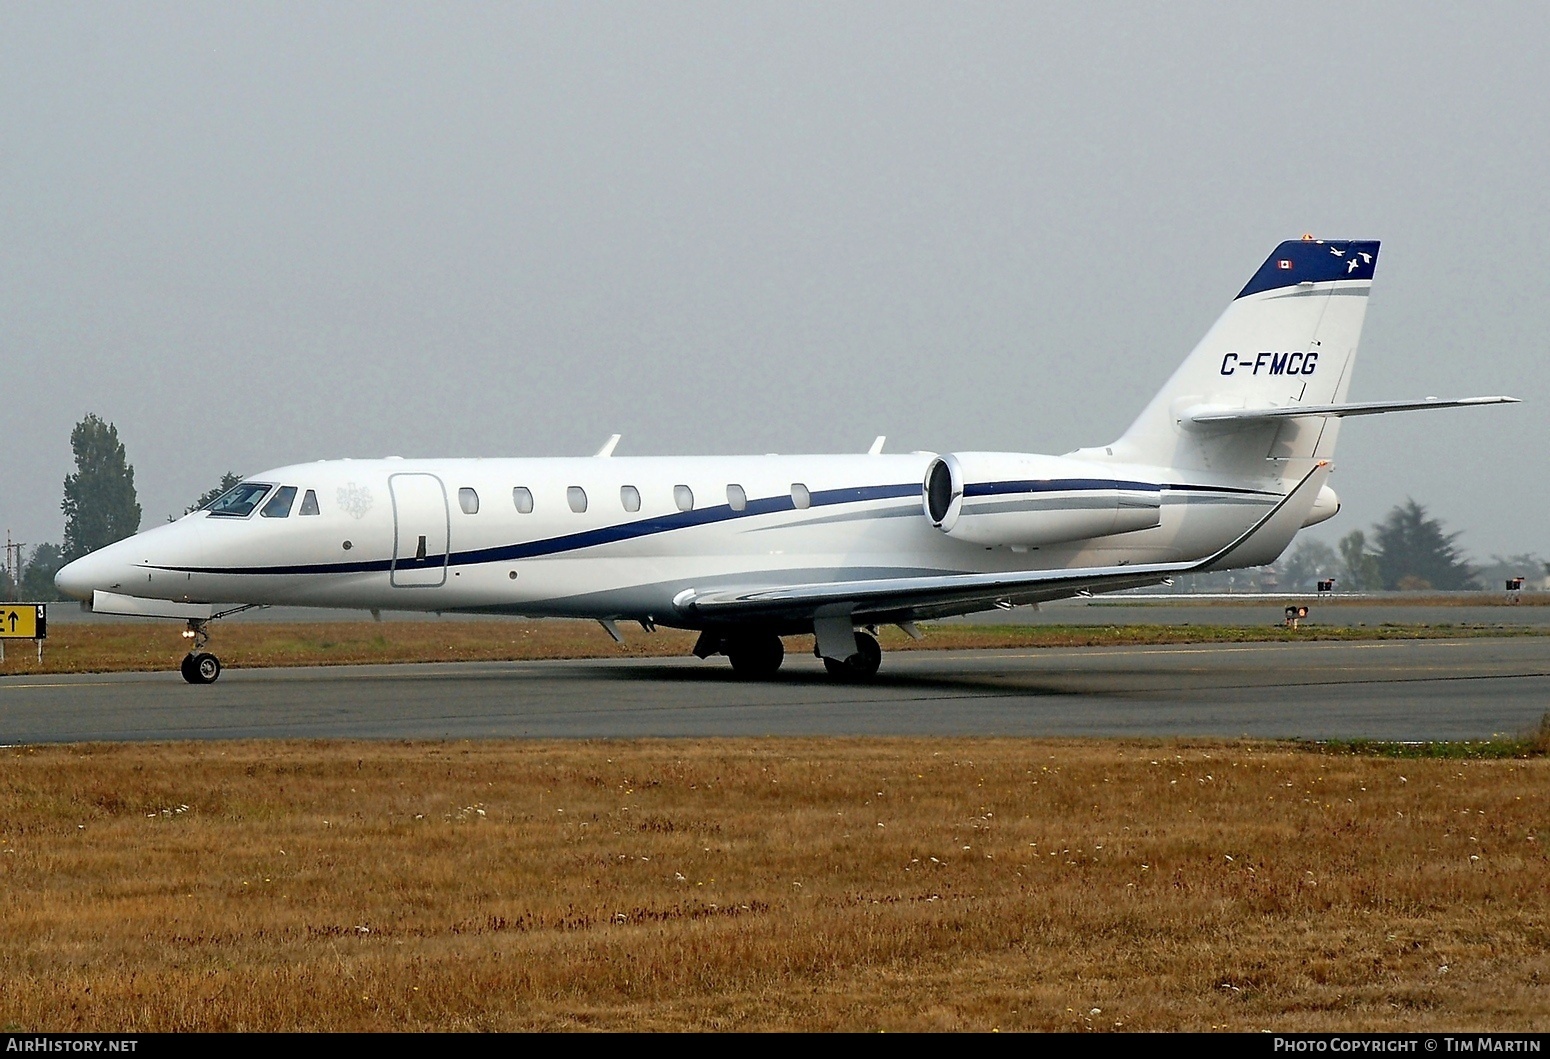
(1012,499)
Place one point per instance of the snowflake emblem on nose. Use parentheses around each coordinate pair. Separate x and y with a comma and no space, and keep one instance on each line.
(354,500)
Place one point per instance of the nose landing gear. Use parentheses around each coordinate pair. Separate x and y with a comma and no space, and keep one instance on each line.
(199,666)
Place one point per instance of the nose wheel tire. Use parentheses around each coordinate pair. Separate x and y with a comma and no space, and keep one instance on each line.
(862,665)
(201,667)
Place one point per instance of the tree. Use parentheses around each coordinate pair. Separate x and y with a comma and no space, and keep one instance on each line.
(38,578)
(229,479)
(1312,561)
(99,504)
(1360,566)
(1413,552)
(1527,565)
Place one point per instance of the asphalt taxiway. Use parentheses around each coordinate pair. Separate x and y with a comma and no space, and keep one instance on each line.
(1412,689)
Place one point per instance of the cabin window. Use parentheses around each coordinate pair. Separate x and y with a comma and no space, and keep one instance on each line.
(468,500)
(577,498)
(279,505)
(629,496)
(238,501)
(800,497)
(309,503)
(736,498)
(683,496)
(522,497)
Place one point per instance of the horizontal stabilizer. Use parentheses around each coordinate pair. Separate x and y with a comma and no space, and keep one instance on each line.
(139,607)
(1217,414)
(903,598)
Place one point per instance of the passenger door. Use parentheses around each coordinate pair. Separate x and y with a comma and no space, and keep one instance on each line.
(422,530)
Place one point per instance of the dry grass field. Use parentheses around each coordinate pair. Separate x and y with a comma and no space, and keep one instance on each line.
(93,647)
(772,884)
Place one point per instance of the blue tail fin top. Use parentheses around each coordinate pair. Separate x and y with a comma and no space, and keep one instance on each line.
(1313,261)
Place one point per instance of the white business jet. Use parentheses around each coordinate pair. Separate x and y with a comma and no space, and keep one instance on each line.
(1220,470)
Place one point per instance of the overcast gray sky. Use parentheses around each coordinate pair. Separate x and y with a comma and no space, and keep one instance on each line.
(254,234)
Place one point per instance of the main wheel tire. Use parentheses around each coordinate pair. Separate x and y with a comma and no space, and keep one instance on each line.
(205,667)
(756,657)
(862,665)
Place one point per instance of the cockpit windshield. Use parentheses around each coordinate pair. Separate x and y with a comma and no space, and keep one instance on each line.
(279,505)
(238,501)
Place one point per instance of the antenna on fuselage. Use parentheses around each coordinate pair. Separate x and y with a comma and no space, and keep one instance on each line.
(877,446)
(609,445)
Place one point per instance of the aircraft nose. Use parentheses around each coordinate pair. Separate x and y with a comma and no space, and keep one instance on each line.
(79,579)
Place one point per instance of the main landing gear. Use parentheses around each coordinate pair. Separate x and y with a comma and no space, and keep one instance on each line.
(200,666)
(754,655)
(862,665)
(758,655)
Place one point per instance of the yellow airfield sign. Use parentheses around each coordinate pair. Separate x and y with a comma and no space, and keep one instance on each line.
(23,621)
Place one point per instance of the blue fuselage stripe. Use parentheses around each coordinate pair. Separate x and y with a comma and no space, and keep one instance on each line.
(592,538)
(1235,490)
(1055,485)
(647,527)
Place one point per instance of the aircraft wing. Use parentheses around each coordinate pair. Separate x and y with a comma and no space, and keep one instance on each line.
(1210,414)
(909,598)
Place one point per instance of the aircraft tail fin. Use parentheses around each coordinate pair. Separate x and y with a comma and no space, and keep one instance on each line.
(1289,338)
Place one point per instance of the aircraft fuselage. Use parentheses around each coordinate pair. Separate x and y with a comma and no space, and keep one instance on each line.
(453,535)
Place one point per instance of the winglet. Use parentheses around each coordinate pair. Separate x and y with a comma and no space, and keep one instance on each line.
(877,446)
(609,445)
